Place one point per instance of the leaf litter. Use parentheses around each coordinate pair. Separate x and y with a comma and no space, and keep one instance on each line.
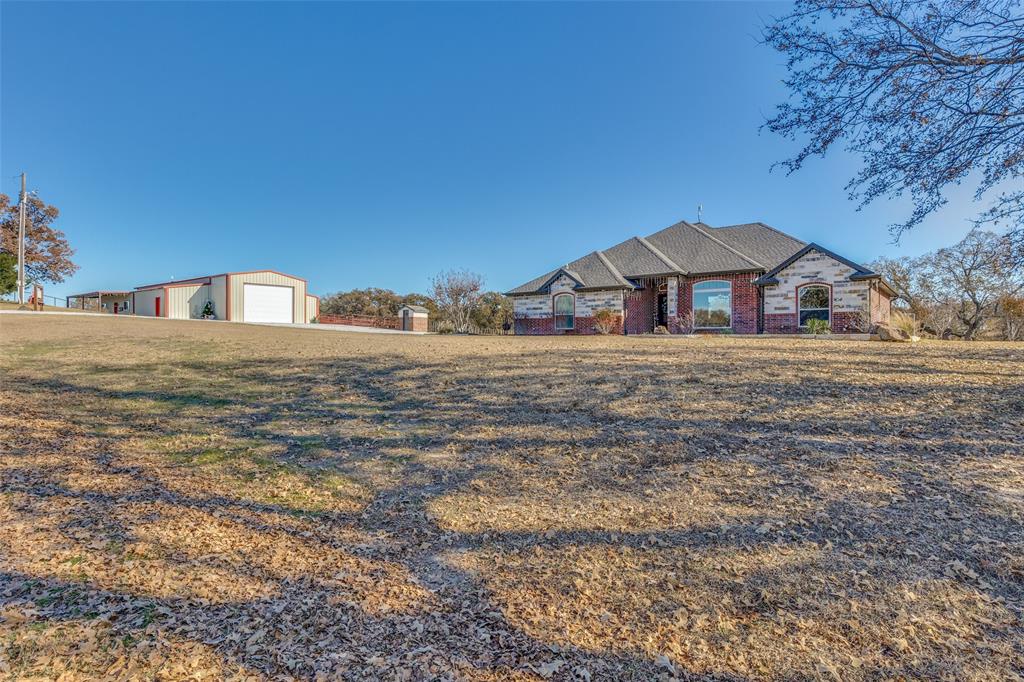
(203,501)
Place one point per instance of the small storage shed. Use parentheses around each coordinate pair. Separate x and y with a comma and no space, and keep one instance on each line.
(413,318)
(251,296)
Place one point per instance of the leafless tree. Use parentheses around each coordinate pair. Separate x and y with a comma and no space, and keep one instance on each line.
(457,294)
(954,291)
(972,277)
(927,92)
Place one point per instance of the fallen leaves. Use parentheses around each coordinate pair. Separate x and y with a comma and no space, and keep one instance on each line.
(195,501)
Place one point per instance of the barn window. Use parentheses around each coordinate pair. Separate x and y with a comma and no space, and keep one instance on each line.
(565,311)
(712,304)
(815,304)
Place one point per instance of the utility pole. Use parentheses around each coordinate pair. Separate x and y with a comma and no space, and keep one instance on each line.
(21,243)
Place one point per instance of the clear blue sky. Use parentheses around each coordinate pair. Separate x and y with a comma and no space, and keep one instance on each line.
(377,144)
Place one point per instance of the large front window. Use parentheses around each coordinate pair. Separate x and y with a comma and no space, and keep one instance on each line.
(712,304)
(814,304)
(565,311)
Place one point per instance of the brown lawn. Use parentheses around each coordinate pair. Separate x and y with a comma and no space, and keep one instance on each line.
(206,500)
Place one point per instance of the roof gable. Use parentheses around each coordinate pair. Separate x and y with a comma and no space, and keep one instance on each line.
(861,272)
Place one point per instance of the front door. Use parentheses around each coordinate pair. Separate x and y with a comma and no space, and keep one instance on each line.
(158,306)
(662,310)
(406,323)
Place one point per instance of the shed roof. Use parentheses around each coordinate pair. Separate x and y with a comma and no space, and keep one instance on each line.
(105,292)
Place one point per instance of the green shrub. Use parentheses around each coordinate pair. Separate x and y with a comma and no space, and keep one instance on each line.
(818,327)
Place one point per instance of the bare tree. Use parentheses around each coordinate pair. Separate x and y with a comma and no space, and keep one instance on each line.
(971,278)
(457,294)
(927,92)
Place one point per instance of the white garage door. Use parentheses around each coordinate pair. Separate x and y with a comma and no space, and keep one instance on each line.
(267,303)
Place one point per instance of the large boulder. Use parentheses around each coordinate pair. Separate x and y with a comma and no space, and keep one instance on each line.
(886,332)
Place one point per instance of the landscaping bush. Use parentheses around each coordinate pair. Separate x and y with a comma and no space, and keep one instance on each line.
(817,327)
(605,321)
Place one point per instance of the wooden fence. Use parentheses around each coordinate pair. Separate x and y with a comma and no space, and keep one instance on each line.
(445,327)
(361,321)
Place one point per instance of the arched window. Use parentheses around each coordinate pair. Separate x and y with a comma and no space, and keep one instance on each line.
(565,311)
(815,303)
(712,304)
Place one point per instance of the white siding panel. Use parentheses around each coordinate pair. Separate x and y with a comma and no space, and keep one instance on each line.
(145,302)
(187,302)
(311,307)
(219,296)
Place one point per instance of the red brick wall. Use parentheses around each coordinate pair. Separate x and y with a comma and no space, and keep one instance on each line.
(787,323)
(846,323)
(641,310)
(881,306)
(528,326)
(745,300)
(781,323)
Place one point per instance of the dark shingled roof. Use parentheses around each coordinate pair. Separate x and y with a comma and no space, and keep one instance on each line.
(684,248)
(759,241)
(593,271)
(633,257)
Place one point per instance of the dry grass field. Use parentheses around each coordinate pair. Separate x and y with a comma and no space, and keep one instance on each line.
(187,500)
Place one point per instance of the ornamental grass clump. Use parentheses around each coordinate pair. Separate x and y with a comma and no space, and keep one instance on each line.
(905,323)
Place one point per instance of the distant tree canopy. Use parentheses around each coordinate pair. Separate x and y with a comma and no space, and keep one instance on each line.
(8,273)
(464,307)
(492,312)
(928,92)
(965,290)
(47,252)
(372,302)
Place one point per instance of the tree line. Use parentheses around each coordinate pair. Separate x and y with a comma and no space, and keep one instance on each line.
(457,303)
(971,290)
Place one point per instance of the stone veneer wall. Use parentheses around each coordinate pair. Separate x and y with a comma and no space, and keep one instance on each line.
(534,314)
(849,298)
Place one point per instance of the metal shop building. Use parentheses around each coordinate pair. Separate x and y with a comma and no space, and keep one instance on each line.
(253,296)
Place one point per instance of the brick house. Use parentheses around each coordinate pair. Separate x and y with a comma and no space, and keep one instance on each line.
(744,279)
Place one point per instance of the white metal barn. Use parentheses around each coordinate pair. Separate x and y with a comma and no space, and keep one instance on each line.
(253,296)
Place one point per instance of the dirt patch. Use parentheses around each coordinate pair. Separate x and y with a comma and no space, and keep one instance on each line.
(220,501)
